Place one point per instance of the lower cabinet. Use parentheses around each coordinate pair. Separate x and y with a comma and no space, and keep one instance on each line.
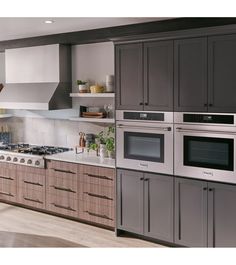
(8,182)
(31,186)
(190,212)
(62,188)
(96,195)
(205,213)
(145,204)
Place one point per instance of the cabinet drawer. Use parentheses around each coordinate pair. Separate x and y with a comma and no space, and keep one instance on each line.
(97,213)
(97,175)
(31,197)
(30,170)
(62,204)
(8,189)
(62,167)
(97,194)
(7,171)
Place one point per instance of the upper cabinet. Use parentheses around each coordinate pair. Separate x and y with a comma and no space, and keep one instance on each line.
(222,73)
(144,76)
(205,74)
(129,76)
(190,82)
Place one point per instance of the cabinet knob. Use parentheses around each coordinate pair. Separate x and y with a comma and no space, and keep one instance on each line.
(210,189)
(141,178)
(146,180)
(210,105)
(205,188)
(145,103)
(205,104)
(141,103)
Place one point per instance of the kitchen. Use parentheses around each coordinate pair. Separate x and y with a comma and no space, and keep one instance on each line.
(149,194)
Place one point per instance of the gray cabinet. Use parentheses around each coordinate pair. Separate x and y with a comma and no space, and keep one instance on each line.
(158,206)
(144,76)
(205,213)
(129,76)
(158,75)
(222,73)
(190,68)
(130,201)
(221,215)
(190,212)
(145,204)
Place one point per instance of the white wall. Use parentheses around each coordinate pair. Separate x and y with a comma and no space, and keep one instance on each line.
(89,62)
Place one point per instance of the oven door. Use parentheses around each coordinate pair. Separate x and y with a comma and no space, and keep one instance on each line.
(147,147)
(205,152)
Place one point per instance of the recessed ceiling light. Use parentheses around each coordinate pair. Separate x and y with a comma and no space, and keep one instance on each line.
(48,21)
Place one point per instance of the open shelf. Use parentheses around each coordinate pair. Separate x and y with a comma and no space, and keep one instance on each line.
(2,116)
(92,95)
(95,120)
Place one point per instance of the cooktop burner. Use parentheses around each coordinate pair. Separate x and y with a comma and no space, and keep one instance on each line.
(26,154)
(34,149)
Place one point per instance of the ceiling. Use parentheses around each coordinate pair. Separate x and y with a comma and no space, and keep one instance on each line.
(16,28)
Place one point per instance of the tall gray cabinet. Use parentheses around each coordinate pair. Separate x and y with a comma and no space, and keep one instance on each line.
(145,204)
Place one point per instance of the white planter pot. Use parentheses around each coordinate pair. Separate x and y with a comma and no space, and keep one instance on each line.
(103,151)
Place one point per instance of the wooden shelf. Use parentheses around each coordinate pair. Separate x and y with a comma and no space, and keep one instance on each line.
(92,95)
(2,116)
(95,120)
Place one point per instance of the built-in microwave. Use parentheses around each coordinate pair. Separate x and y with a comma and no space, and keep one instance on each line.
(144,141)
(205,146)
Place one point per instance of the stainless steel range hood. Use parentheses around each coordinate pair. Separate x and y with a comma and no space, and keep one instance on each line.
(37,78)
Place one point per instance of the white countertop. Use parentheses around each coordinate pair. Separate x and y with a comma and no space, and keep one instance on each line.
(83,158)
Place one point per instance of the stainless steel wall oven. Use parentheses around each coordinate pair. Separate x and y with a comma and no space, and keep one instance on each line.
(205,146)
(145,141)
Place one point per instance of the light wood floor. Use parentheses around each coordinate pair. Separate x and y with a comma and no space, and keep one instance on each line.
(21,227)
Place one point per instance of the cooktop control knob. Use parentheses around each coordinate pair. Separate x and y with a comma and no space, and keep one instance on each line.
(15,159)
(29,162)
(22,160)
(37,163)
(8,158)
(2,157)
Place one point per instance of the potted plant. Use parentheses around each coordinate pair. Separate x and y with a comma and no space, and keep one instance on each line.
(82,86)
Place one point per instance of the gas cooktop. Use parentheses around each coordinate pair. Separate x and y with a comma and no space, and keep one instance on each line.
(26,154)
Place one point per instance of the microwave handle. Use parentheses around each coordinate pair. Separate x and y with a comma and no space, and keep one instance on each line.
(144,127)
(179,129)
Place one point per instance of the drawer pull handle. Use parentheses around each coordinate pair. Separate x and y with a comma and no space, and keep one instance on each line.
(98,196)
(6,193)
(63,207)
(99,177)
(33,200)
(64,189)
(33,183)
(99,215)
(63,171)
(9,178)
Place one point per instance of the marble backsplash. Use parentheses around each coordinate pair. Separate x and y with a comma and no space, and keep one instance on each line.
(42,131)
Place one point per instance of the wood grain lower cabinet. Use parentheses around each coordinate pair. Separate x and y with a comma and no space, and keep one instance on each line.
(31,186)
(96,195)
(62,188)
(8,182)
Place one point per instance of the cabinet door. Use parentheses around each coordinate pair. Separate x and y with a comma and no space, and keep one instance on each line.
(222,73)
(221,215)
(158,206)
(190,212)
(158,75)
(129,76)
(130,201)
(190,81)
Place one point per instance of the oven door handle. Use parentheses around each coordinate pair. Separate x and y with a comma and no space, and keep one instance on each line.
(179,129)
(144,127)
